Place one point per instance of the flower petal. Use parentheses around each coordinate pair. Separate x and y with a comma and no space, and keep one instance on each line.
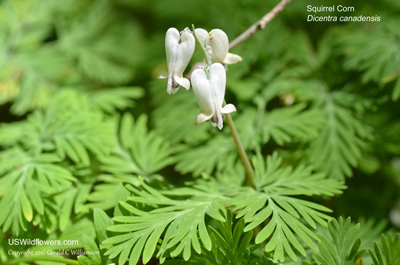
(202,92)
(171,44)
(202,118)
(219,44)
(202,35)
(182,81)
(218,81)
(179,49)
(231,58)
(210,94)
(183,56)
(228,108)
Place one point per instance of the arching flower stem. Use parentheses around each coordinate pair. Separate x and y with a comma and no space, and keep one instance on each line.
(206,55)
(242,152)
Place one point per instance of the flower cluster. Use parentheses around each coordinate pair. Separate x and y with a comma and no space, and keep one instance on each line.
(208,81)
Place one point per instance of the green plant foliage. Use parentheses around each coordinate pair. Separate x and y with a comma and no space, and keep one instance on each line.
(378,57)
(290,123)
(95,152)
(274,206)
(229,244)
(98,62)
(166,118)
(339,243)
(182,220)
(35,70)
(387,251)
(193,159)
(340,143)
(110,100)
(139,151)
(370,231)
(24,178)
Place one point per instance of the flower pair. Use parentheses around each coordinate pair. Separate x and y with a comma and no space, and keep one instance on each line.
(208,82)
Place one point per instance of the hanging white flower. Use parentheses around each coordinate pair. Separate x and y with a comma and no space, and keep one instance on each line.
(218,45)
(179,49)
(210,93)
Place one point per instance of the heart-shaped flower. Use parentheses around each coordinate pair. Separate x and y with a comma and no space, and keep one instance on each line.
(209,89)
(179,49)
(217,43)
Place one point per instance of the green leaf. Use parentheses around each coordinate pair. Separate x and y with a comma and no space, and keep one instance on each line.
(284,219)
(110,100)
(290,124)
(99,61)
(339,243)
(387,251)
(101,223)
(27,178)
(106,195)
(139,151)
(378,57)
(91,250)
(70,129)
(180,224)
(340,143)
(83,260)
(204,158)
(174,116)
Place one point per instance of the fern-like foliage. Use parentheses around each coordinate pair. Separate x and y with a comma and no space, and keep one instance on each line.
(339,244)
(25,178)
(370,231)
(80,152)
(68,134)
(90,246)
(139,151)
(192,158)
(379,57)
(290,124)
(39,176)
(180,224)
(120,98)
(31,73)
(273,206)
(339,145)
(184,220)
(169,110)
(94,59)
(283,125)
(387,251)
(229,244)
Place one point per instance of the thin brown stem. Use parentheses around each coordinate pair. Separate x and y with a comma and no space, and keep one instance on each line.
(259,25)
(241,150)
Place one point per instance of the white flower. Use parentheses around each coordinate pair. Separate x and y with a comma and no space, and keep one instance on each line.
(179,49)
(202,34)
(220,45)
(210,94)
(218,41)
